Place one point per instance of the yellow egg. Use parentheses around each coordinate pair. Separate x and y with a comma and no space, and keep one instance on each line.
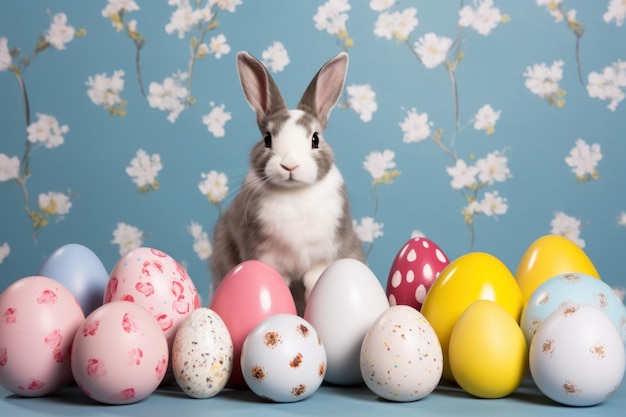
(471,277)
(547,257)
(488,353)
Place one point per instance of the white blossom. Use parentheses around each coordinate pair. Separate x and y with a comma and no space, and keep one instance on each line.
(5,250)
(9,167)
(553,7)
(492,204)
(331,16)
(5,54)
(367,230)
(622,219)
(47,131)
(170,96)
(214,186)
(216,119)
(127,237)
(483,19)
(462,175)
(397,25)
(583,158)
(275,57)
(182,20)
(362,99)
(417,233)
(104,91)
(567,226)
(114,7)
(415,126)
(54,204)
(229,5)
(608,85)
(493,168)
(432,49)
(486,119)
(620,292)
(218,46)
(144,168)
(60,33)
(381,5)
(543,80)
(616,10)
(201,244)
(377,163)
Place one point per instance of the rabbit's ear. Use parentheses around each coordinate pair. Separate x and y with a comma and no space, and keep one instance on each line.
(325,89)
(258,87)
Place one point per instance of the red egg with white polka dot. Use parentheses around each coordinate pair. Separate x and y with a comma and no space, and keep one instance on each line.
(415,268)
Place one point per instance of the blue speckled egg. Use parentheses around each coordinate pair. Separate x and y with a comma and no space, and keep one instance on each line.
(572,288)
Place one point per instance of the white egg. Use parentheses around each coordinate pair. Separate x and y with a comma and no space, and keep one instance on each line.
(401,358)
(202,354)
(577,356)
(343,304)
(283,359)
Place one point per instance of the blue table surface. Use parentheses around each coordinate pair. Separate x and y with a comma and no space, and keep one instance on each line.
(446,400)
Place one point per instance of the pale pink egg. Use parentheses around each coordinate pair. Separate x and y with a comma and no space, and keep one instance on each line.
(120,354)
(38,319)
(416,266)
(157,282)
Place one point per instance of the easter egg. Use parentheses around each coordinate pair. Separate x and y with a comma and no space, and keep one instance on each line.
(401,358)
(202,354)
(577,356)
(120,354)
(488,354)
(80,271)
(249,293)
(38,319)
(157,282)
(471,277)
(283,359)
(418,263)
(569,288)
(548,256)
(343,305)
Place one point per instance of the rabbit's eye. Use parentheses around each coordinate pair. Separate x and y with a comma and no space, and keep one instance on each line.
(316,141)
(268,140)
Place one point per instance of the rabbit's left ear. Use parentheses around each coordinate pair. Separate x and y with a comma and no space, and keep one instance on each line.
(325,89)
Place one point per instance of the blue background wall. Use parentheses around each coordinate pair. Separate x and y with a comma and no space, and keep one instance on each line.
(533,135)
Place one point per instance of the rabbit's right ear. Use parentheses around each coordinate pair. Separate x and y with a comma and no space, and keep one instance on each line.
(258,87)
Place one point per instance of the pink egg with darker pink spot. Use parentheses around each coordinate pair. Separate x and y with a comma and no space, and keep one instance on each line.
(158,283)
(416,266)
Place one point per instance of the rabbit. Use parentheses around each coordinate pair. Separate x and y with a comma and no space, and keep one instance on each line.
(292,210)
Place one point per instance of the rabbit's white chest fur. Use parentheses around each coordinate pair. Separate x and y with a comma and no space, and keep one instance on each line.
(301,226)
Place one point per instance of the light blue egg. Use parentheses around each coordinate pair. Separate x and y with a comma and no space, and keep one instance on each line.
(81,271)
(571,288)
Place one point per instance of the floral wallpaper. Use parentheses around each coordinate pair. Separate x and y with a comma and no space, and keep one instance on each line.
(481,125)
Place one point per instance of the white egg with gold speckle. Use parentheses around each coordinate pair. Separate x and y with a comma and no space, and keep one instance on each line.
(577,356)
(401,357)
(202,354)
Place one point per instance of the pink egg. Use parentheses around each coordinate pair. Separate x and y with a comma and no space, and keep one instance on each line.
(250,293)
(120,354)
(416,266)
(38,319)
(157,282)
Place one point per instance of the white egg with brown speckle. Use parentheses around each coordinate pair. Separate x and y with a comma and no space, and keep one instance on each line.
(283,359)
(202,354)
(401,358)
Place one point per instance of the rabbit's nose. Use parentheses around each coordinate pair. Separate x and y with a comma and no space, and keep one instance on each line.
(289,168)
